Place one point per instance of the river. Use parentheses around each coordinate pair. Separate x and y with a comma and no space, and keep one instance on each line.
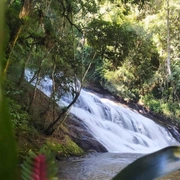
(99,166)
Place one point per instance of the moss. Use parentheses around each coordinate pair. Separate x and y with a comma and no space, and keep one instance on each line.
(72,147)
(67,148)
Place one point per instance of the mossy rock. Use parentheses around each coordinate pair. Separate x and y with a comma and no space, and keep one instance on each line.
(67,148)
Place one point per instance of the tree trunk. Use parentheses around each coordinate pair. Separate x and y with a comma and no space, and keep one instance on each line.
(24,66)
(11,50)
(35,87)
(38,78)
(25,9)
(51,128)
(168,41)
(22,15)
(53,89)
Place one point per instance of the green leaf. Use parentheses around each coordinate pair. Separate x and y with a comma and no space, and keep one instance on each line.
(8,155)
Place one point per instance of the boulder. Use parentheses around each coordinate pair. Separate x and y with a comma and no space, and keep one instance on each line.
(81,135)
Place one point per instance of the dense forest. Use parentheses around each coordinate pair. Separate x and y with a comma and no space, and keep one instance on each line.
(130,48)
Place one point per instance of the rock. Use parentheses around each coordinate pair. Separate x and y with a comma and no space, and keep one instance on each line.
(173,130)
(81,135)
(90,144)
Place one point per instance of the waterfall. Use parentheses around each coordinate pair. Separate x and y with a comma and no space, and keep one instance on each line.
(118,128)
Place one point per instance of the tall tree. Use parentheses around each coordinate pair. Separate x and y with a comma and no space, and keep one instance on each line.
(168,40)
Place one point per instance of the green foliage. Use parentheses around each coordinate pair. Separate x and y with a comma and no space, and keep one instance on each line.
(128,58)
(121,81)
(169,109)
(19,117)
(169,84)
(112,40)
(12,18)
(152,103)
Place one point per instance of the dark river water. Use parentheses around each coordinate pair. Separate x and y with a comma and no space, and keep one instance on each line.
(99,166)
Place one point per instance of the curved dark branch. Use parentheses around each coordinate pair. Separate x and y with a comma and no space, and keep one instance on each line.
(65,13)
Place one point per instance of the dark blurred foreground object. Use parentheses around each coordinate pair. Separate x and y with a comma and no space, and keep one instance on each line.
(152,166)
(8,154)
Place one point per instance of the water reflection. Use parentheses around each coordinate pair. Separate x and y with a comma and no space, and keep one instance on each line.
(99,166)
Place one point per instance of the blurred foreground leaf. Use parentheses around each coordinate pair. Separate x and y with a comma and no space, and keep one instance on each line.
(8,155)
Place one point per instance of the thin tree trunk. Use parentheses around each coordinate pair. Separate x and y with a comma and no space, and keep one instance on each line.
(35,87)
(51,128)
(89,66)
(11,50)
(24,66)
(38,79)
(25,9)
(52,98)
(168,41)
(53,90)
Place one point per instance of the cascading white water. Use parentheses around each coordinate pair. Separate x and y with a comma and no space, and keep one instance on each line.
(118,128)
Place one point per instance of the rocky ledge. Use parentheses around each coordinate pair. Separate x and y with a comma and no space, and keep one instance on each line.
(81,135)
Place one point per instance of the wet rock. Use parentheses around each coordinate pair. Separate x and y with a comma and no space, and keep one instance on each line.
(81,135)
(174,131)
